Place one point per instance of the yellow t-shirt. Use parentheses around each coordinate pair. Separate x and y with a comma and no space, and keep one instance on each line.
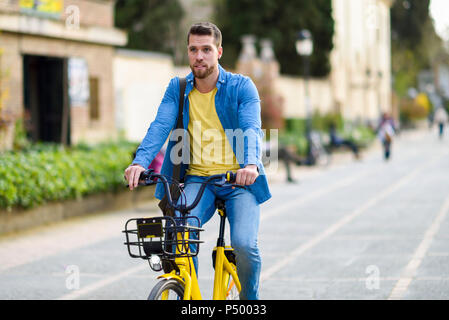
(210,151)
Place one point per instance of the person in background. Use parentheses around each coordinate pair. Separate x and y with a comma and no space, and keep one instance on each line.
(337,141)
(441,119)
(385,133)
(285,154)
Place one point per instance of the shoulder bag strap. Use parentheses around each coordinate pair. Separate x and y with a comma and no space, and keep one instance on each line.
(179,125)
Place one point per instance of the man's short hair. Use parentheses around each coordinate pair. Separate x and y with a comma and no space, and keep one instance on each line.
(206,29)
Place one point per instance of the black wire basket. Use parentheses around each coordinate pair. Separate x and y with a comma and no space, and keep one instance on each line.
(167,237)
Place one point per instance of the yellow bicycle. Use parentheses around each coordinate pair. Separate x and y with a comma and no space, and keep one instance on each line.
(170,243)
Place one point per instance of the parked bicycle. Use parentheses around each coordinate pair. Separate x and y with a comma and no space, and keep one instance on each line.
(170,243)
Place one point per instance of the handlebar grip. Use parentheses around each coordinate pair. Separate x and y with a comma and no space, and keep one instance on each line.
(144,175)
(230,176)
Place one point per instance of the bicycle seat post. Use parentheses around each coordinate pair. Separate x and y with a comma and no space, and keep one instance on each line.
(220,205)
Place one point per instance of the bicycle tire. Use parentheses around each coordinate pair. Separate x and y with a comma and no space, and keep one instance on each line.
(170,285)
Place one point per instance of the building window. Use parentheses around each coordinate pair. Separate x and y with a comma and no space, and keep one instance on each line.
(94,103)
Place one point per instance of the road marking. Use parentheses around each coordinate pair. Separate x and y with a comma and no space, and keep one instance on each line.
(410,270)
(342,222)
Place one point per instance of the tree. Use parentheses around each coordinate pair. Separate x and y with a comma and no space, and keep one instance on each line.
(151,24)
(414,42)
(407,19)
(280,22)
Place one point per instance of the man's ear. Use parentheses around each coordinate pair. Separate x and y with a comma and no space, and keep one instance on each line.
(220,52)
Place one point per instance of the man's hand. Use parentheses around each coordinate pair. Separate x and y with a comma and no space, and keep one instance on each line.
(132,174)
(246,176)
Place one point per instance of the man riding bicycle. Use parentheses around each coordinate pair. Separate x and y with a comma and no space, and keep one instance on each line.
(222,118)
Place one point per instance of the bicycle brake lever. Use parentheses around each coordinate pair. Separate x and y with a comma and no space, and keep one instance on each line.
(144,183)
(148,182)
(226,184)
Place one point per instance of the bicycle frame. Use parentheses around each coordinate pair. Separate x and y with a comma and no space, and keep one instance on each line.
(184,272)
(223,270)
(187,274)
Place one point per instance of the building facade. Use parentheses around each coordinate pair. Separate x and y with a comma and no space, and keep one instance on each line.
(140,80)
(361,58)
(57,63)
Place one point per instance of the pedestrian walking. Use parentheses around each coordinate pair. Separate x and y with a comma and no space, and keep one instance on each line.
(286,155)
(441,119)
(385,133)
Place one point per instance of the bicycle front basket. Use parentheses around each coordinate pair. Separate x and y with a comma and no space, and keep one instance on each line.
(168,237)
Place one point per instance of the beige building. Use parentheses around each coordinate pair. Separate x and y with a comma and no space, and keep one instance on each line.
(359,84)
(361,58)
(140,80)
(57,66)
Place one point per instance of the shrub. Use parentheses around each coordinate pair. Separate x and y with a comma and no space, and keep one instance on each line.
(411,111)
(295,133)
(359,134)
(47,172)
(298,141)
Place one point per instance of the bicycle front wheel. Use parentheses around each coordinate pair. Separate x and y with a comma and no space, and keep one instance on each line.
(167,289)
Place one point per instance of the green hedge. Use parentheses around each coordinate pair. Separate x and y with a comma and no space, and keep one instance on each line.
(49,172)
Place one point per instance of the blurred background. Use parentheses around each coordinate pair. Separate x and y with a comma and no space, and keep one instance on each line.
(75,75)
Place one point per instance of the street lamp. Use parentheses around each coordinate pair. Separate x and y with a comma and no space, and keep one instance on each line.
(304,48)
(304,43)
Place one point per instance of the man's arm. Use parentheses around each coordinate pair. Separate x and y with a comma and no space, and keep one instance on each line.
(250,123)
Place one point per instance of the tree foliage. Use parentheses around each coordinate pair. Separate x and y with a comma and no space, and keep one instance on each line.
(407,20)
(414,42)
(280,22)
(152,25)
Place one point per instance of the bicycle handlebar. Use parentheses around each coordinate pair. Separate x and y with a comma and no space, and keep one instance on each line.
(148,177)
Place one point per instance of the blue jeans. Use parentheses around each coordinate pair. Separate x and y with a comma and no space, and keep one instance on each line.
(243,214)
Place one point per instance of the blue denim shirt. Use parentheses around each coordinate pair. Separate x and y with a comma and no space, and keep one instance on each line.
(237,104)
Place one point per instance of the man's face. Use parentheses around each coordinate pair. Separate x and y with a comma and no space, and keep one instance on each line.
(203,55)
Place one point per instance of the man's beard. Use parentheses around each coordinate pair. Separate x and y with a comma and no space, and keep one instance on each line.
(202,74)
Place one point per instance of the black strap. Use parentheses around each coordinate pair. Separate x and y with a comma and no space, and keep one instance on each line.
(179,125)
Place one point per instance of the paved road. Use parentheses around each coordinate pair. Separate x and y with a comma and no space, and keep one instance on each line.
(365,229)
